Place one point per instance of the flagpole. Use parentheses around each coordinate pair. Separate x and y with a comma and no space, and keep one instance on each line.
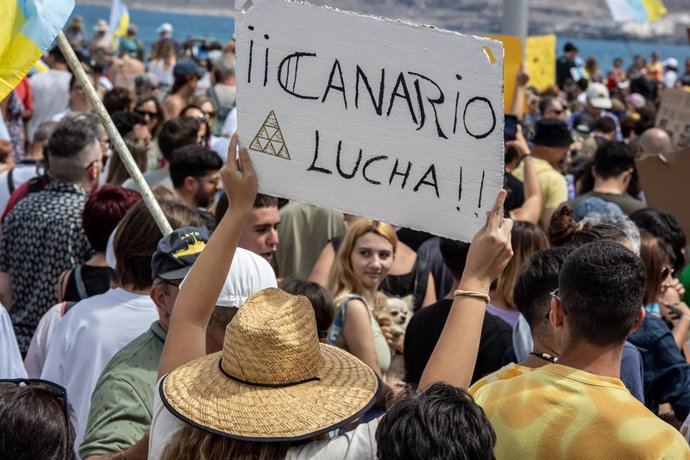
(114,135)
(516,20)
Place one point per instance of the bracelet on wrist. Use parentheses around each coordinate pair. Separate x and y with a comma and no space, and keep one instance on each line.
(473,294)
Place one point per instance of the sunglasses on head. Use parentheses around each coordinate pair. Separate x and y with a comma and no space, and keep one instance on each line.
(52,388)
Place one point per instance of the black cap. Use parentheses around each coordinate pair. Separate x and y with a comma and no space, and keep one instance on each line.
(177,252)
(569,47)
(552,133)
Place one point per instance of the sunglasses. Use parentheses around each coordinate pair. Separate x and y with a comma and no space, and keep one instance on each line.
(556,295)
(666,272)
(144,113)
(54,389)
(210,114)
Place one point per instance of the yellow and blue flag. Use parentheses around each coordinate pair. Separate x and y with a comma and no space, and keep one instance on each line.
(119,21)
(636,10)
(27,29)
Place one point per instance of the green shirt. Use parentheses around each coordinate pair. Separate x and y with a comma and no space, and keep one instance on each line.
(122,402)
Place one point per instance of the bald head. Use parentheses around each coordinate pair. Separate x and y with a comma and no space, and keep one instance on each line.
(654,141)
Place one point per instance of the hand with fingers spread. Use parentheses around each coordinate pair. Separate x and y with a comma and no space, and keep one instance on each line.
(239,178)
(490,250)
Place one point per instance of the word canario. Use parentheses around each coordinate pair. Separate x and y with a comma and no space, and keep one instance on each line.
(381,92)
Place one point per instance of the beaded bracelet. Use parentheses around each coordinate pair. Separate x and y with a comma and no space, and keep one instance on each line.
(475,294)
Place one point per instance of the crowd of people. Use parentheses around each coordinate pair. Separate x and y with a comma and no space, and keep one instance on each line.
(262,328)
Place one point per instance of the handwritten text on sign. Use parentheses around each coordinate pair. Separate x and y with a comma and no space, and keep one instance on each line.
(378,118)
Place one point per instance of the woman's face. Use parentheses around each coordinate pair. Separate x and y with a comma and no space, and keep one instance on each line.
(209,112)
(149,111)
(372,257)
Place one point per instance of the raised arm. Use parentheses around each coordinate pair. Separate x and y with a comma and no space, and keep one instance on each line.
(521,79)
(455,353)
(186,339)
(530,211)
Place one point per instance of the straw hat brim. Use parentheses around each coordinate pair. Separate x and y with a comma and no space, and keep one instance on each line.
(200,394)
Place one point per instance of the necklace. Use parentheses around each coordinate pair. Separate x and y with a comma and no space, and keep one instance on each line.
(545,357)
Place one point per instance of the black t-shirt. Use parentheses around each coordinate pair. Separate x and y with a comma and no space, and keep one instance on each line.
(425,329)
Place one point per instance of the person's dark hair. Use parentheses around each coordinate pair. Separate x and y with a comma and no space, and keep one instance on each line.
(44,131)
(601,286)
(117,173)
(177,132)
(321,300)
(565,231)
(72,134)
(605,125)
(653,257)
(56,53)
(125,120)
(137,236)
(32,423)
(68,147)
(612,159)
(665,226)
(454,254)
(192,161)
(104,209)
(537,279)
(582,83)
(546,102)
(439,422)
(118,99)
(261,201)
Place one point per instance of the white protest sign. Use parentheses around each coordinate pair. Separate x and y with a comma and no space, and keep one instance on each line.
(378,118)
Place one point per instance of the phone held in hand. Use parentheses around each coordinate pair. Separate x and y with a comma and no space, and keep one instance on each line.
(510,128)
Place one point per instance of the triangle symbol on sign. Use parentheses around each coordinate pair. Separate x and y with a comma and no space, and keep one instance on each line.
(269,139)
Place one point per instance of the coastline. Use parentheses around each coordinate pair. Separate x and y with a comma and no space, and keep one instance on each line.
(179,9)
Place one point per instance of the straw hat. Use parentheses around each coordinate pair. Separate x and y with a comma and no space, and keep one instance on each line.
(273,381)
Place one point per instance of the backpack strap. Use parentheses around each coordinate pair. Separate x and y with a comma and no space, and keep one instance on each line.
(10,181)
(79,281)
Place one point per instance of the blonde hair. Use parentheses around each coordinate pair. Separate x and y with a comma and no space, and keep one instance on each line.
(526,239)
(209,446)
(342,279)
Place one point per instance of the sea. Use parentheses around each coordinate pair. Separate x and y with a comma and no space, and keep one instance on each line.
(221,28)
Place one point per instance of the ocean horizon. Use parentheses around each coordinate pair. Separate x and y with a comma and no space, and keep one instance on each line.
(196,23)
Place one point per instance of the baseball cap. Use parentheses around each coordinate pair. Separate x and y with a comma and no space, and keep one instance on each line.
(569,47)
(552,133)
(177,252)
(598,96)
(670,62)
(185,67)
(249,273)
(165,27)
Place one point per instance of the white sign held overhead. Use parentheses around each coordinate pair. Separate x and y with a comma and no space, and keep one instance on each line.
(378,118)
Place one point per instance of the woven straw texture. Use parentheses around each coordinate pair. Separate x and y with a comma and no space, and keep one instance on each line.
(272,340)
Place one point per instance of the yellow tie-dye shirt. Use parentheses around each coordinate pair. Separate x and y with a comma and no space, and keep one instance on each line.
(561,412)
(505,373)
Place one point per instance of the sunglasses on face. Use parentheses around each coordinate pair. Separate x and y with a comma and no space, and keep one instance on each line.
(210,114)
(556,295)
(52,388)
(666,272)
(144,113)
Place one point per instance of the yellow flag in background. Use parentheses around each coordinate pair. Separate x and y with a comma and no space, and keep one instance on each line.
(655,9)
(27,29)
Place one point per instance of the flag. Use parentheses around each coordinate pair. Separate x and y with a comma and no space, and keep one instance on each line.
(27,29)
(119,21)
(636,10)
